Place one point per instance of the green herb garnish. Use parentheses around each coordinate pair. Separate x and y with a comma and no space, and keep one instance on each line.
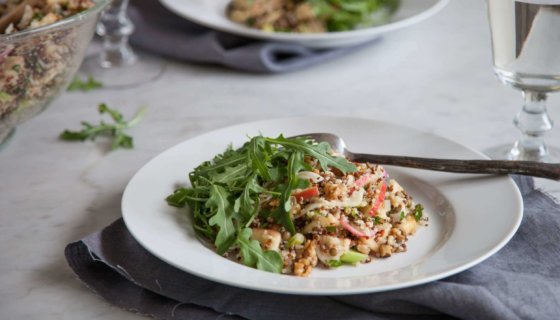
(344,15)
(402,216)
(331,229)
(378,220)
(418,210)
(5,97)
(89,84)
(224,193)
(114,130)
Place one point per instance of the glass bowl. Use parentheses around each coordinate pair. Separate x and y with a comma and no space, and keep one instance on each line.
(37,64)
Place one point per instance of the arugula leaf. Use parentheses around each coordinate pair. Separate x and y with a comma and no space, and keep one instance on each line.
(282,214)
(320,151)
(219,164)
(343,15)
(245,204)
(257,158)
(122,141)
(181,196)
(78,84)
(231,174)
(114,130)
(178,198)
(221,207)
(117,116)
(252,254)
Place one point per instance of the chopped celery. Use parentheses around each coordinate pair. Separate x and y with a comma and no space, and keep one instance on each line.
(349,257)
(353,257)
(296,239)
(335,263)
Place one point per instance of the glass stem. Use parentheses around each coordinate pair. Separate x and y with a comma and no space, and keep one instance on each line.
(115,27)
(533,121)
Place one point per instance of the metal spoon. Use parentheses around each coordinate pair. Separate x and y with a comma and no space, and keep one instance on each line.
(527,168)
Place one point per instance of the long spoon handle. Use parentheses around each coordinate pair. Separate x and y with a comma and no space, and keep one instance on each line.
(528,168)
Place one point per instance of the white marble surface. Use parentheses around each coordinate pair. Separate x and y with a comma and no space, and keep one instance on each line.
(435,76)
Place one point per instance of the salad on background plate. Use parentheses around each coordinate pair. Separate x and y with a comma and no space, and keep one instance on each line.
(310,23)
(311,16)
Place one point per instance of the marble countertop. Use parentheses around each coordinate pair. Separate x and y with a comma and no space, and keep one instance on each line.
(435,76)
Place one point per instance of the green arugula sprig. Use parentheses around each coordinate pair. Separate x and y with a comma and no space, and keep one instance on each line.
(114,130)
(224,196)
(89,84)
(344,15)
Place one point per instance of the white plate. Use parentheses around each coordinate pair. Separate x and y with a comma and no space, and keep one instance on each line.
(471,216)
(212,13)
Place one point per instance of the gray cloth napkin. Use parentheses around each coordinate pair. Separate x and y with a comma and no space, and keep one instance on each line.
(521,281)
(160,31)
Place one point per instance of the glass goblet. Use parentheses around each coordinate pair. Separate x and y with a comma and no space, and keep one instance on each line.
(526,54)
(117,65)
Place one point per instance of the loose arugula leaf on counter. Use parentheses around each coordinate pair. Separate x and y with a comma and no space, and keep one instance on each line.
(89,84)
(114,130)
(227,192)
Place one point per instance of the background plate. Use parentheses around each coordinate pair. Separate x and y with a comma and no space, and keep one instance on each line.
(471,216)
(212,14)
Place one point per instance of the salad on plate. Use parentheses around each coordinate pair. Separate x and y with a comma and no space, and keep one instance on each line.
(289,205)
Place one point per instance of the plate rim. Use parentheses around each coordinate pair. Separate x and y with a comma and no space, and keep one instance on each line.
(337,292)
(304,37)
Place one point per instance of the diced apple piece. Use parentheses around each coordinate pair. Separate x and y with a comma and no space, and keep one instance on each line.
(268,238)
(408,225)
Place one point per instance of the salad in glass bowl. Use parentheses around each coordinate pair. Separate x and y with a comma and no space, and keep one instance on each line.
(39,54)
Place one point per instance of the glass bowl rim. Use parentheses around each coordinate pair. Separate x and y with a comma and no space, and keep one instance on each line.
(73,19)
